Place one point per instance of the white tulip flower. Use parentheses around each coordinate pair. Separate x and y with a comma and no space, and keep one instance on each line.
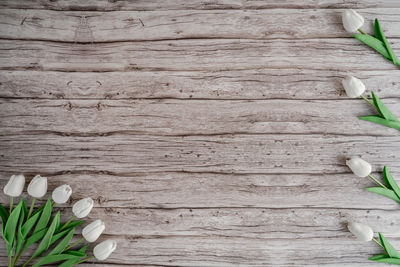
(353,86)
(363,232)
(352,21)
(37,188)
(83,207)
(93,230)
(61,194)
(15,185)
(359,167)
(103,250)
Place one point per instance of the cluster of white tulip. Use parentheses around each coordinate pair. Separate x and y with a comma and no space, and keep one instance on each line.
(37,188)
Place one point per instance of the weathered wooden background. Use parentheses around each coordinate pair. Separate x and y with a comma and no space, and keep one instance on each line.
(209,133)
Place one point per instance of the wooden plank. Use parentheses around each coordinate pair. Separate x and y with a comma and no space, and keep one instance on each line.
(234,251)
(244,226)
(345,55)
(143,5)
(180,190)
(120,153)
(236,84)
(88,27)
(195,117)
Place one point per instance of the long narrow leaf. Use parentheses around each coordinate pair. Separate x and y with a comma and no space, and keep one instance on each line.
(378,257)
(386,43)
(57,236)
(389,248)
(63,243)
(4,216)
(35,237)
(11,227)
(20,238)
(389,179)
(374,43)
(394,261)
(70,263)
(28,225)
(384,192)
(381,121)
(55,258)
(72,224)
(45,217)
(45,243)
(383,110)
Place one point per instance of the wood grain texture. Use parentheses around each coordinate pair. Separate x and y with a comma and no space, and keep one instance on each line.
(209,133)
(89,27)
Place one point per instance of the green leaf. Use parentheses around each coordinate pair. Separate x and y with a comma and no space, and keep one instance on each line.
(382,121)
(388,260)
(378,257)
(4,217)
(58,236)
(72,224)
(63,243)
(69,263)
(383,110)
(22,215)
(28,225)
(45,243)
(384,192)
(389,180)
(45,218)
(54,258)
(374,43)
(378,31)
(11,227)
(34,238)
(389,248)
(378,28)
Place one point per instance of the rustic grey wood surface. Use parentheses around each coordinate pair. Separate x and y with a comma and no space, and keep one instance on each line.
(209,133)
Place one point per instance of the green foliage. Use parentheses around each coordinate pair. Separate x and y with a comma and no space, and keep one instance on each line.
(385,118)
(379,43)
(392,256)
(391,191)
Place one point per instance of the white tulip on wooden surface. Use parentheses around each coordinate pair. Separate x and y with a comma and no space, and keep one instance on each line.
(61,194)
(359,167)
(93,230)
(103,250)
(352,21)
(15,185)
(361,231)
(37,188)
(83,207)
(353,86)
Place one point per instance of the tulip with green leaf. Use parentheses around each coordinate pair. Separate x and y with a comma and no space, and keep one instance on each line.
(41,230)
(364,233)
(352,22)
(355,88)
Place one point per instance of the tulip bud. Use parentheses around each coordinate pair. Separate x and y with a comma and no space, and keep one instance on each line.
(93,230)
(363,232)
(38,186)
(359,167)
(15,185)
(353,86)
(103,250)
(352,21)
(83,207)
(61,194)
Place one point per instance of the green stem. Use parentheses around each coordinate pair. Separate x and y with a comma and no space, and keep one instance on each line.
(66,224)
(31,209)
(10,262)
(376,241)
(85,259)
(28,261)
(11,203)
(361,31)
(376,181)
(74,244)
(17,258)
(369,101)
